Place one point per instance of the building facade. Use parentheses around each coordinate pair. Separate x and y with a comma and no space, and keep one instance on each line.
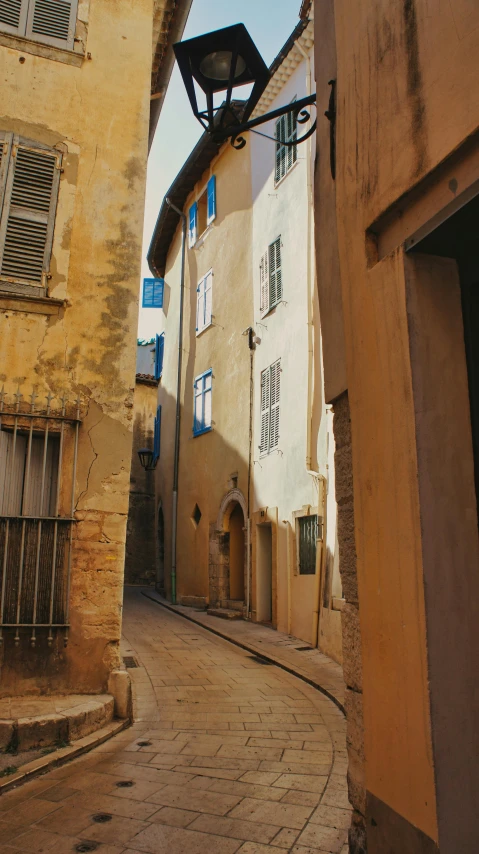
(396,237)
(72,180)
(256,527)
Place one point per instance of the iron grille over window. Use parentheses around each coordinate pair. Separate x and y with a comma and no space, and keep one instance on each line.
(308,534)
(38,455)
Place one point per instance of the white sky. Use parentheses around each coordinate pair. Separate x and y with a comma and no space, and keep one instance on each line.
(270,23)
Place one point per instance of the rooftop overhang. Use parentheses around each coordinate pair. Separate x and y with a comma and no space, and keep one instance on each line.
(169,20)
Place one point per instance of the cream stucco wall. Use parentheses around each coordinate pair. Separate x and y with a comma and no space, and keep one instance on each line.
(95,111)
(289,332)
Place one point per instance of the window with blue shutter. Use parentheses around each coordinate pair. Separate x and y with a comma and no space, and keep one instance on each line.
(193,225)
(202,404)
(157,435)
(211,196)
(153,291)
(159,350)
(204,303)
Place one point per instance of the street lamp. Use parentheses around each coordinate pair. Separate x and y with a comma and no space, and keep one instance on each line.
(220,62)
(147,459)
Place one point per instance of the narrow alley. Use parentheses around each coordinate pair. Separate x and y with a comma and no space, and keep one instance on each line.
(227,754)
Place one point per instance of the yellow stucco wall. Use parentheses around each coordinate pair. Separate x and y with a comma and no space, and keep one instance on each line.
(97,114)
(404,104)
(207,462)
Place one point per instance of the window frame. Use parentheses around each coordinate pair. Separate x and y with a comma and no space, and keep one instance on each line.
(266,412)
(208,198)
(24,30)
(202,378)
(159,355)
(11,144)
(299,518)
(266,274)
(285,153)
(208,275)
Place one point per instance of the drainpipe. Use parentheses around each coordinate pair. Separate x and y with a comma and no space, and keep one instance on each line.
(322,482)
(174,524)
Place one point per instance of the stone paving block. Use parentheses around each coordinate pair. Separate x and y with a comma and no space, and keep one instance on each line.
(302,783)
(324,838)
(285,838)
(161,839)
(198,801)
(302,799)
(245,830)
(257,848)
(174,817)
(272,813)
(331,817)
(117,831)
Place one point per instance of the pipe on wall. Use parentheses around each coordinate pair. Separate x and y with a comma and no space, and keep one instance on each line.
(174,524)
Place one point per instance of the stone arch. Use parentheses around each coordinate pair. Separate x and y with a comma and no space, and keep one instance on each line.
(234,496)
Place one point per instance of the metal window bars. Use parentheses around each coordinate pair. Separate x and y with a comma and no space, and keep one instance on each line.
(38,460)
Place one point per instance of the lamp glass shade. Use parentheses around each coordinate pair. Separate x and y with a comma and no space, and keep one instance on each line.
(146,458)
(217,66)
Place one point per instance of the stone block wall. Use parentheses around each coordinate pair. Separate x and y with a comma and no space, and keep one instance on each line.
(219,568)
(352,664)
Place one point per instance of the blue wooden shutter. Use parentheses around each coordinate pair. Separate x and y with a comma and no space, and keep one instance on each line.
(159,350)
(153,291)
(193,225)
(211,200)
(157,434)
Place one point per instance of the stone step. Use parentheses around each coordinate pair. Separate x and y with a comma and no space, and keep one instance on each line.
(225,613)
(35,722)
(235,605)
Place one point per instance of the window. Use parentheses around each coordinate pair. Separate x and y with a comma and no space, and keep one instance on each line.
(286,130)
(153,291)
(27,489)
(271,277)
(48,21)
(204,302)
(308,535)
(203,212)
(202,403)
(157,435)
(29,180)
(270,394)
(159,353)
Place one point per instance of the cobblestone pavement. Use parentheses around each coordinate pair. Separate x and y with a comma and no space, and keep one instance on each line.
(226,755)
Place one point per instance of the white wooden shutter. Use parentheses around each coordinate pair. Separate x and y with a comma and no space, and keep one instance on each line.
(13,16)
(264,283)
(275,274)
(52,22)
(292,134)
(208,285)
(26,225)
(207,401)
(275,395)
(265,411)
(200,307)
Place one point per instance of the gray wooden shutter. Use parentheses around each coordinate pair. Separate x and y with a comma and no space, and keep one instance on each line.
(264,284)
(275,273)
(5,149)
(265,411)
(275,394)
(52,22)
(26,225)
(13,16)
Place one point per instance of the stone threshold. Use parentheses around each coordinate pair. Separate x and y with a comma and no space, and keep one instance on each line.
(62,755)
(325,676)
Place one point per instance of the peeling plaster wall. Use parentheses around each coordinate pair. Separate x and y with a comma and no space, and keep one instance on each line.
(140,557)
(97,114)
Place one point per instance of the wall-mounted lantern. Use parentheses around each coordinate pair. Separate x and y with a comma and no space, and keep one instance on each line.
(220,62)
(147,459)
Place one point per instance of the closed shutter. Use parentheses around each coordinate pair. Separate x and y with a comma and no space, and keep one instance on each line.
(28,215)
(211,194)
(275,274)
(275,394)
(208,402)
(153,292)
(13,16)
(291,136)
(159,352)
(52,22)
(198,406)
(208,286)
(265,411)
(264,283)
(200,307)
(280,134)
(203,391)
(193,225)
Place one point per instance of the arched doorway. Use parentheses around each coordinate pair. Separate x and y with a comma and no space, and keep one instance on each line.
(227,563)
(237,554)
